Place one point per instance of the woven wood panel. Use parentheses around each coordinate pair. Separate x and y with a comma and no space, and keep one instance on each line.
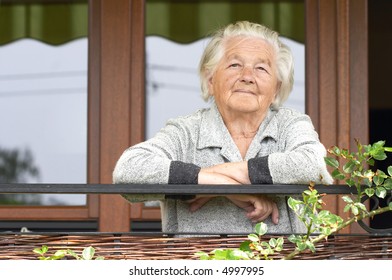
(131,247)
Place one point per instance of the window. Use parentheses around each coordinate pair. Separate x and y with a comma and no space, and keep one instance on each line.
(43,97)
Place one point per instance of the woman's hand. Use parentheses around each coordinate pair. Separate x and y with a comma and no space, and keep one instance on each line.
(258,207)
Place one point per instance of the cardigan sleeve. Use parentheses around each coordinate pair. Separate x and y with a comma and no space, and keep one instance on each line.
(300,159)
(158,160)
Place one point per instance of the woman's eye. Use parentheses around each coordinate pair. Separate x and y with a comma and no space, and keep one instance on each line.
(234,65)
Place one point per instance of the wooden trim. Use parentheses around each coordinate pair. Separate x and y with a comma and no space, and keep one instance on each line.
(94,93)
(44,213)
(336,75)
(137,62)
(359,83)
(151,214)
(312,61)
(117,97)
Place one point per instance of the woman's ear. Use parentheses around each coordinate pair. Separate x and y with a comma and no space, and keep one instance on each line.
(278,85)
(210,85)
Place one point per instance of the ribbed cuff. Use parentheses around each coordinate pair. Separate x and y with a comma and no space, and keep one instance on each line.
(258,170)
(183,173)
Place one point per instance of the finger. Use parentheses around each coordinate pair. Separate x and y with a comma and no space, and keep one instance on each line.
(261,212)
(198,203)
(261,216)
(275,214)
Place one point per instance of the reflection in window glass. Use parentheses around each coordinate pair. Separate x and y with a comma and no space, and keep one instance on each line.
(43,105)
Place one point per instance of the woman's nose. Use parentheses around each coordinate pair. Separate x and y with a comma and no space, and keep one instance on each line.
(247,75)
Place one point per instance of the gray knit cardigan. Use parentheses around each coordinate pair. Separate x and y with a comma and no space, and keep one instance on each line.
(285,150)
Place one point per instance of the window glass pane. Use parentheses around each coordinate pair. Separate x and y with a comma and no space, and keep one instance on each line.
(43,98)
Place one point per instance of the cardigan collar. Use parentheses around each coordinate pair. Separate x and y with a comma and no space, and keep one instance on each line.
(214,133)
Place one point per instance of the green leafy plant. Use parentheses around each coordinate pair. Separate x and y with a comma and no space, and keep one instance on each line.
(354,168)
(252,249)
(87,254)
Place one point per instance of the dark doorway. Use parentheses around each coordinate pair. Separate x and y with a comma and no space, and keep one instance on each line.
(380,90)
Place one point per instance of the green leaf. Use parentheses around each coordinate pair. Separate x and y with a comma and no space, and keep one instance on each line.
(202,255)
(347,207)
(349,166)
(261,228)
(238,255)
(294,203)
(346,153)
(368,174)
(347,199)
(59,254)
(354,210)
(350,182)
(220,254)
(253,237)
(389,170)
(388,184)
(379,144)
(38,251)
(361,206)
(379,155)
(335,150)
(331,162)
(245,246)
(381,173)
(338,175)
(279,243)
(367,148)
(73,254)
(368,182)
(378,180)
(44,249)
(88,253)
(381,192)
(369,192)
(294,238)
(390,205)
(272,242)
(326,230)
(310,245)
(301,246)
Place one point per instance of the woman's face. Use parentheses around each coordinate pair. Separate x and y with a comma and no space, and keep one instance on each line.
(245,79)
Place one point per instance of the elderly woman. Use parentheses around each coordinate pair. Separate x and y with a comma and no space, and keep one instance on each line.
(245,137)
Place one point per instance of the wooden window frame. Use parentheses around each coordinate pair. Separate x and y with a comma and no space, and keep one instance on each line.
(336,96)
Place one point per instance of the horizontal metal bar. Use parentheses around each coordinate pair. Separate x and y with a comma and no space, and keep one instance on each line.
(169,189)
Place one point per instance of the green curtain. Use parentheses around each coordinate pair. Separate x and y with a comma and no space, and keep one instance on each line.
(183,21)
(187,21)
(52,23)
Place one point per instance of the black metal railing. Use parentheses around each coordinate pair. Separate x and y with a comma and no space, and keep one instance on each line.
(181,190)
